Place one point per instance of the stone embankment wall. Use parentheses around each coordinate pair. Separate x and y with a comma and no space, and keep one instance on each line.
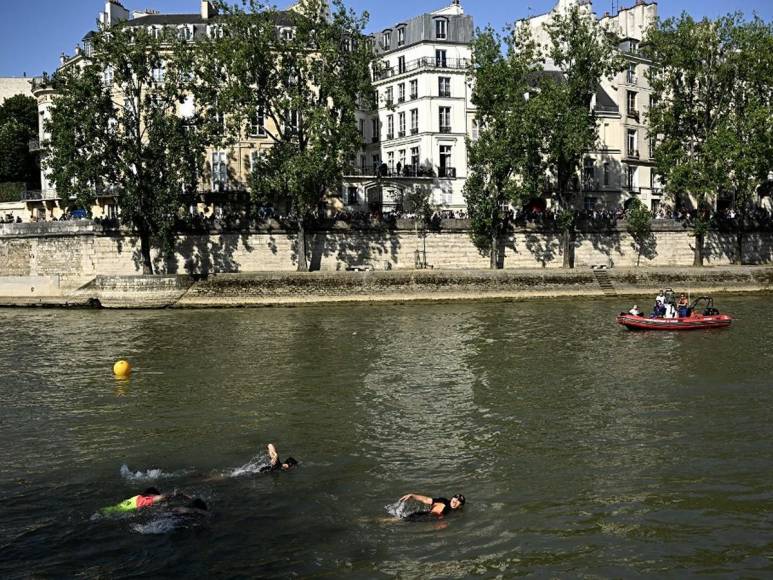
(75,251)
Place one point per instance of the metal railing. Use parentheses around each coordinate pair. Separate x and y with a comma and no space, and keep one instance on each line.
(633,114)
(445,129)
(447,172)
(33,145)
(426,62)
(39,195)
(632,153)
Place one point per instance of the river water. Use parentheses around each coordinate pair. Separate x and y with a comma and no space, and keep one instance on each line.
(584,450)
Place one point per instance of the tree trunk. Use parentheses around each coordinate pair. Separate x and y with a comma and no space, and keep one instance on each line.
(698,262)
(640,245)
(303,265)
(494,257)
(568,246)
(147,264)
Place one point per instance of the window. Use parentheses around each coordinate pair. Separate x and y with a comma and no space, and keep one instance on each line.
(414,89)
(445,162)
(400,36)
(185,32)
(588,174)
(606,174)
(400,64)
(401,125)
(414,121)
(258,124)
(376,162)
(219,171)
(387,40)
(389,96)
(391,160)
(287,34)
(375,130)
(401,93)
(415,158)
(390,126)
(214,31)
(292,120)
(107,76)
(441,28)
(154,31)
(444,86)
(630,178)
(632,144)
(401,161)
(361,127)
(475,130)
(440,58)
(158,73)
(445,119)
(630,74)
(351,198)
(255,157)
(632,112)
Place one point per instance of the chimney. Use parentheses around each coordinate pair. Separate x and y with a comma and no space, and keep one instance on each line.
(207,10)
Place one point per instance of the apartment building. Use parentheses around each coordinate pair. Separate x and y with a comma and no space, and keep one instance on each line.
(417,137)
(226,171)
(622,167)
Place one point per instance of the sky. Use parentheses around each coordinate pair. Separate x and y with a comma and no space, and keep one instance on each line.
(33,33)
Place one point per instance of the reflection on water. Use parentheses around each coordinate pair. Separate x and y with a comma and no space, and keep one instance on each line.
(583,449)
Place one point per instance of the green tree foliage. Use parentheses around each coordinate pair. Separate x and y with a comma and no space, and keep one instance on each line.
(116,127)
(712,83)
(639,225)
(505,165)
(306,72)
(18,125)
(584,54)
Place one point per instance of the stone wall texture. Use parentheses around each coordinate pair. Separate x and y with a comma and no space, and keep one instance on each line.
(74,251)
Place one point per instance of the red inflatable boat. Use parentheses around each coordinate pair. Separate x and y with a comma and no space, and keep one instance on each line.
(698,318)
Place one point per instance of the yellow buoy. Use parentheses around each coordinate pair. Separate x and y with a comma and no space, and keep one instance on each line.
(122,368)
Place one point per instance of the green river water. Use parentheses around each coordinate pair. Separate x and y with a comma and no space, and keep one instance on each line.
(584,450)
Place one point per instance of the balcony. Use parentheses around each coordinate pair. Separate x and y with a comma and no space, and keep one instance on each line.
(632,154)
(414,96)
(390,136)
(414,130)
(631,79)
(400,99)
(401,133)
(444,94)
(632,114)
(39,195)
(422,63)
(447,172)
(445,129)
(389,102)
(375,138)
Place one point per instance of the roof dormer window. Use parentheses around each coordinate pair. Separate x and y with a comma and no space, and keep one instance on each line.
(286,34)
(185,32)
(387,39)
(441,28)
(214,31)
(401,36)
(155,31)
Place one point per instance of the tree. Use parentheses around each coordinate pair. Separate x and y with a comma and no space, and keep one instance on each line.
(583,53)
(116,127)
(18,126)
(305,72)
(505,162)
(712,112)
(639,226)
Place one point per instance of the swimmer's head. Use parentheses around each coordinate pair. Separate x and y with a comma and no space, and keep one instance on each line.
(289,463)
(198,504)
(151,491)
(457,501)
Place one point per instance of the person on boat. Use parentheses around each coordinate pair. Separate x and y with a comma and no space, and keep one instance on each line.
(146,499)
(438,507)
(276,464)
(635,311)
(659,311)
(683,306)
(670,311)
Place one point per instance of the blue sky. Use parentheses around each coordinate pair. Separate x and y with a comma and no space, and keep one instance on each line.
(33,33)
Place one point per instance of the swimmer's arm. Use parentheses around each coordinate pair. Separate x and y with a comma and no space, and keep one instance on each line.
(272,453)
(416,497)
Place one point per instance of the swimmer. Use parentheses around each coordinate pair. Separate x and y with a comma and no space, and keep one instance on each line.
(196,507)
(438,507)
(146,499)
(276,463)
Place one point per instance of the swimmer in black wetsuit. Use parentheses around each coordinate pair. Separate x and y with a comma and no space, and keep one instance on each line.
(276,463)
(438,507)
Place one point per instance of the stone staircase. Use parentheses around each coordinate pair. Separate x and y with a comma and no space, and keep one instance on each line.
(602,278)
